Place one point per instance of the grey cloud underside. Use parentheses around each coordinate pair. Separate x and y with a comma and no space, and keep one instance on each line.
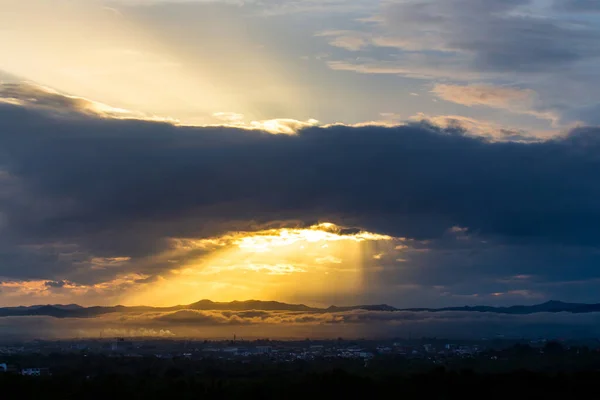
(92,175)
(118,188)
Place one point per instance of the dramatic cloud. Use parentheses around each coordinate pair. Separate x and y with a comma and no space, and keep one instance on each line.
(96,205)
(409,152)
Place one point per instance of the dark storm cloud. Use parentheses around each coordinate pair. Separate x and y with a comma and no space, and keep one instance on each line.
(80,190)
(482,270)
(414,181)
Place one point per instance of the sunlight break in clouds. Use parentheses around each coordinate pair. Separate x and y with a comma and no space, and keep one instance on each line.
(325,232)
(283,264)
(284,126)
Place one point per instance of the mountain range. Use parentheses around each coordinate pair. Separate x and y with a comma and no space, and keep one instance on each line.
(76,311)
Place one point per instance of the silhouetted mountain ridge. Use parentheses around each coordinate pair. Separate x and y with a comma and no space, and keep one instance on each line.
(248,305)
(76,311)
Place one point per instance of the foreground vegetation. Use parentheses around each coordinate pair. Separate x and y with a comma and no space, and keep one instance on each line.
(518,372)
(438,384)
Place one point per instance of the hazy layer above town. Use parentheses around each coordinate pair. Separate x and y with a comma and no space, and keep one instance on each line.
(275,320)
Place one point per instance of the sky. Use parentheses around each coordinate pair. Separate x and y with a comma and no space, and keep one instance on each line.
(419,153)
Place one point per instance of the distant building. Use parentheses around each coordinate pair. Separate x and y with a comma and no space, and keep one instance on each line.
(121,344)
(264,349)
(3,367)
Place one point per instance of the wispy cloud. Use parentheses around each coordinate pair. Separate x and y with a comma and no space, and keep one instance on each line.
(49,100)
(521,101)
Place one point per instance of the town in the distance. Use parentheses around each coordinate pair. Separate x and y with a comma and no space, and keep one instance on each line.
(408,352)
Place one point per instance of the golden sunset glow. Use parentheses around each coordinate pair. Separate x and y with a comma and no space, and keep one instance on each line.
(316,152)
(117,59)
(286,264)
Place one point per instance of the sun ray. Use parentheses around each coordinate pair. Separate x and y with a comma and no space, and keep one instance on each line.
(283,264)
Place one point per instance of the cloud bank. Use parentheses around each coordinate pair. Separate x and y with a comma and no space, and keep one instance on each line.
(90,203)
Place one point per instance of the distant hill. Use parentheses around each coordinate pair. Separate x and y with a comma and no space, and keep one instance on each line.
(249,305)
(552,306)
(76,311)
(380,307)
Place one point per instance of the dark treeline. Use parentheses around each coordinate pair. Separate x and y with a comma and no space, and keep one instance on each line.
(521,371)
(437,384)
